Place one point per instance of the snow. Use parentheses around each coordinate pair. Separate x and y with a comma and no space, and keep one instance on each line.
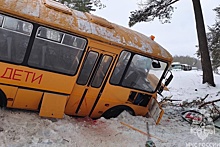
(19,128)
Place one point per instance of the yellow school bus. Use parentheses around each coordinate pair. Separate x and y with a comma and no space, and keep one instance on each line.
(58,61)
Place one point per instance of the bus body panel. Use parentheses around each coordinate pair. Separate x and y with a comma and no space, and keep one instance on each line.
(53,105)
(116,95)
(111,96)
(27,99)
(36,79)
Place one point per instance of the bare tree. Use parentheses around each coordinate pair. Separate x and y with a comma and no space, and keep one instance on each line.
(203,45)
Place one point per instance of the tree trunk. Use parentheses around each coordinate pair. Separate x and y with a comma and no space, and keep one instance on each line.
(203,46)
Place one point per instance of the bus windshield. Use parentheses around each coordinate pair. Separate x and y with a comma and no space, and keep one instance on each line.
(138,72)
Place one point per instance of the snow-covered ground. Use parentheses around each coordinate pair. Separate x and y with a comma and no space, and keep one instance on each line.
(26,129)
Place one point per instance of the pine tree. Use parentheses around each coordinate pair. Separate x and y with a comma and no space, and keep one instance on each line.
(83,5)
(214,41)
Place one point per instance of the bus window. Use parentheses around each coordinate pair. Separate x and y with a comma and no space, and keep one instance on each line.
(120,67)
(11,23)
(87,68)
(101,71)
(74,41)
(18,25)
(49,34)
(140,73)
(1,20)
(14,39)
(52,53)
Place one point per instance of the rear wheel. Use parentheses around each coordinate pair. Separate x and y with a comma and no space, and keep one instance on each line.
(3,99)
(116,111)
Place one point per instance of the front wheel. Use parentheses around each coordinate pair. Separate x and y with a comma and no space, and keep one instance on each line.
(116,111)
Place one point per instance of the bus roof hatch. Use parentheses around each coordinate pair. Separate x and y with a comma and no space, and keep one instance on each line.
(57,6)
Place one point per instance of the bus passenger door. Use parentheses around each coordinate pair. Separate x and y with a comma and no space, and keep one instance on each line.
(90,82)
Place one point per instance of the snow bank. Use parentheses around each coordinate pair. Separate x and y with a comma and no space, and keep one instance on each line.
(26,129)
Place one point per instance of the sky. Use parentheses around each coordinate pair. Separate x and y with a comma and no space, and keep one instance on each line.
(179,37)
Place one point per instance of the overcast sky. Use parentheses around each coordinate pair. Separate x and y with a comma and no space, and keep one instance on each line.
(178,37)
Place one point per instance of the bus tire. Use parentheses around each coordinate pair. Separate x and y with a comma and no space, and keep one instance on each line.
(3,99)
(116,111)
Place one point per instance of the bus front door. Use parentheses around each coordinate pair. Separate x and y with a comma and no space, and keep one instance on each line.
(90,83)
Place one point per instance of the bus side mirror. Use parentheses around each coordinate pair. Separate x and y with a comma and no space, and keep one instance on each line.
(167,82)
(169,79)
(156,64)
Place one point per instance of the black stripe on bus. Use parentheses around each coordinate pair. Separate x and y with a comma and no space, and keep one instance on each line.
(80,103)
(126,69)
(97,65)
(30,44)
(40,103)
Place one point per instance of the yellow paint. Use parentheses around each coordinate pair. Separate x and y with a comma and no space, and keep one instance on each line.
(53,105)
(27,99)
(89,99)
(18,76)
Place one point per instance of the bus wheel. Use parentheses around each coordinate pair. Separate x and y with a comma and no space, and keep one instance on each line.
(116,111)
(3,99)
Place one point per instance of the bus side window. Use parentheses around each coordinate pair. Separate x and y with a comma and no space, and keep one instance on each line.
(120,67)
(3,46)
(50,34)
(87,68)
(1,20)
(137,74)
(101,71)
(14,39)
(18,25)
(10,23)
(74,41)
(54,51)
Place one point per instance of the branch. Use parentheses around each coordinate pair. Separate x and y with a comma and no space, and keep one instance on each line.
(210,102)
(173,2)
(205,97)
(127,125)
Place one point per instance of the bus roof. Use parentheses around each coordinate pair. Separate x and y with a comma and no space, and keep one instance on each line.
(57,15)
